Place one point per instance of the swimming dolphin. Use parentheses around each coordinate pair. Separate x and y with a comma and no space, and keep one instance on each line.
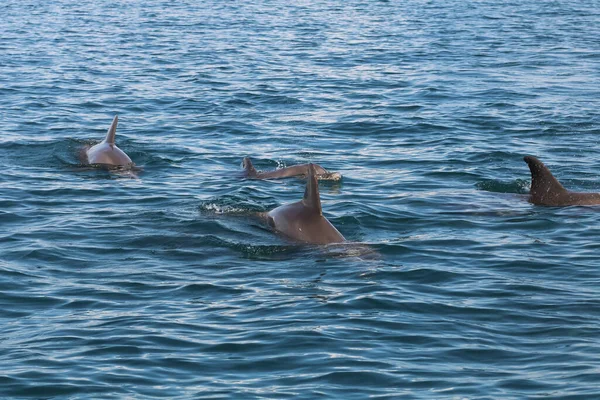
(546,190)
(304,221)
(295,170)
(107,152)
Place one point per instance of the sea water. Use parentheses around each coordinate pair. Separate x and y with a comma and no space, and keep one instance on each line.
(159,282)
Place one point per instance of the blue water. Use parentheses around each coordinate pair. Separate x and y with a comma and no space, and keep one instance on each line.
(159,283)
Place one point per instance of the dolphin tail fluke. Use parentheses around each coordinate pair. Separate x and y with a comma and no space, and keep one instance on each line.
(542,180)
(112,131)
(249,168)
(312,199)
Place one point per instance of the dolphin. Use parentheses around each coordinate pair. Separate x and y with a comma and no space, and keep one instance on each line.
(295,170)
(107,152)
(546,190)
(303,220)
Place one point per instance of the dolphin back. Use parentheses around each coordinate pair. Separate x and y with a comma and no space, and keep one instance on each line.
(107,152)
(249,169)
(545,188)
(112,131)
(312,198)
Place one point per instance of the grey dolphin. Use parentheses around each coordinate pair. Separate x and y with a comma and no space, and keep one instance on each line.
(303,220)
(546,190)
(295,170)
(107,152)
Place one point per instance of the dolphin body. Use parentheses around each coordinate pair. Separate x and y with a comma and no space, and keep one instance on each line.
(295,170)
(303,220)
(107,152)
(546,190)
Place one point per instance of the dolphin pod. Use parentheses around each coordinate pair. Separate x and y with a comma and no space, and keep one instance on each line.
(300,170)
(303,220)
(107,152)
(546,190)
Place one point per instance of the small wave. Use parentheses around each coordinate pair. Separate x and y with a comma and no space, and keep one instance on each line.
(518,186)
(224,209)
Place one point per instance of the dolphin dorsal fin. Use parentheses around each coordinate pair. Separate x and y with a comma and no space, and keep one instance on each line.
(250,170)
(112,131)
(312,199)
(542,181)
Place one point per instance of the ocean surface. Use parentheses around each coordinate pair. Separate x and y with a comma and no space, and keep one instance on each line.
(160,282)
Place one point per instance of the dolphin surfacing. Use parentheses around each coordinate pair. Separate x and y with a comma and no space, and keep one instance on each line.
(107,152)
(303,221)
(300,170)
(546,190)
